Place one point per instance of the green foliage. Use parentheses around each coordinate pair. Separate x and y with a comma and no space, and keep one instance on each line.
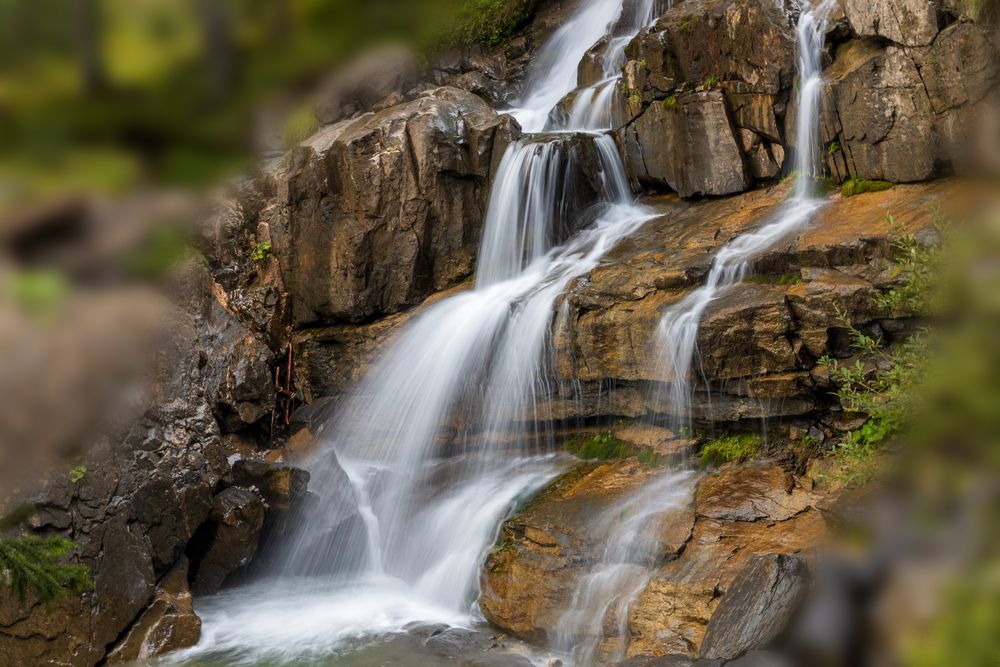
(77,473)
(833,148)
(486,21)
(882,390)
(736,447)
(37,292)
(919,267)
(33,563)
(859,186)
(966,632)
(299,126)
(261,251)
(600,447)
(670,102)
(712,81)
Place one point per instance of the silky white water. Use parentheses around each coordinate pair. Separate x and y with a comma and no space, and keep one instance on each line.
(631,554)
(678,329)
(443,437)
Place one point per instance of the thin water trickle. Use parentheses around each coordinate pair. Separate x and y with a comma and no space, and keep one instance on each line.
(678,329)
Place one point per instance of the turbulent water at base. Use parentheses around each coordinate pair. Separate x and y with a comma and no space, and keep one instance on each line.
(446,433)
(678,330)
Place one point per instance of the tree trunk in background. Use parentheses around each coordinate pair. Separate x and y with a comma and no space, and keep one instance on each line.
(87,35)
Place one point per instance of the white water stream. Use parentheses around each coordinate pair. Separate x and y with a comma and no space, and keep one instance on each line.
(439,442)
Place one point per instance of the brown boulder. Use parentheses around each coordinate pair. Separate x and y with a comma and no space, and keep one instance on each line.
(689,146)
(168,624)
(374,214)
(228,540)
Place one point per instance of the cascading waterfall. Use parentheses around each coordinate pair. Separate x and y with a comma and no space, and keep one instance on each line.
(410,496)
(592,107)
(603,596)
(678,330)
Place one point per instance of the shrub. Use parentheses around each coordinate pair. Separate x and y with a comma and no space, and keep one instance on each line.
(601,447)
(728,448)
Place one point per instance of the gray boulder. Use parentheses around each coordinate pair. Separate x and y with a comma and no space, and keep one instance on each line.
(756,608)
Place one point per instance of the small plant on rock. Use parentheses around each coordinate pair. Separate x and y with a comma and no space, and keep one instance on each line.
(261,251)
(732,448)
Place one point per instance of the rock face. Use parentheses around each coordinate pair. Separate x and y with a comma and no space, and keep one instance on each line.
(740,57)
(378,80)
(169,622)
(905,22)
(756,608)
(688,146)
(904,100)
(147,486)
(229,538)
(543,551)
(376,213)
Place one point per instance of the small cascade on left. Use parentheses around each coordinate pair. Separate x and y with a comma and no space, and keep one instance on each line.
(447,431)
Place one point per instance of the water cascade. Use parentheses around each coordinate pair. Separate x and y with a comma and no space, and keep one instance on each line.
(443,436)
(678,330)
(602,597)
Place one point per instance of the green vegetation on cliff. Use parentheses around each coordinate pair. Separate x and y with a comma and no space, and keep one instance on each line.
(859,186)
(729,448)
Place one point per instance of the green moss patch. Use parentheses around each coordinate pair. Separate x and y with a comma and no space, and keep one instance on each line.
(729,448)
(859,186)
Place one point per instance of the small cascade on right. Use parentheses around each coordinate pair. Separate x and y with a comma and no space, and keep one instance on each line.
(678,329)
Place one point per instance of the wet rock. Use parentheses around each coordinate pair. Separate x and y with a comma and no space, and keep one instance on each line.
(424,630)
(169,623)
(497,660)
(530,576)
(348,251)
(761,659)
(228,540)
(148,485)
(458,642)
(906,22)
(689,146)
(757,606)
(280,484)
(751,493)
(676,660)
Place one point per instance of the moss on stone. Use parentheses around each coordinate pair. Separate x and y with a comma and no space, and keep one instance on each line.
(733,447)
(858,186)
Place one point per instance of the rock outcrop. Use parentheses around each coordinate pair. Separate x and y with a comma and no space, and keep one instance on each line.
(374,214)
(531,574)
(169,622)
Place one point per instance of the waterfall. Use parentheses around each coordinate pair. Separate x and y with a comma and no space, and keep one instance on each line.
(678,329)
(425,439)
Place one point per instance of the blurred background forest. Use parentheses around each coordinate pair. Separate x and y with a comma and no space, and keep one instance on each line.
(104,95)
